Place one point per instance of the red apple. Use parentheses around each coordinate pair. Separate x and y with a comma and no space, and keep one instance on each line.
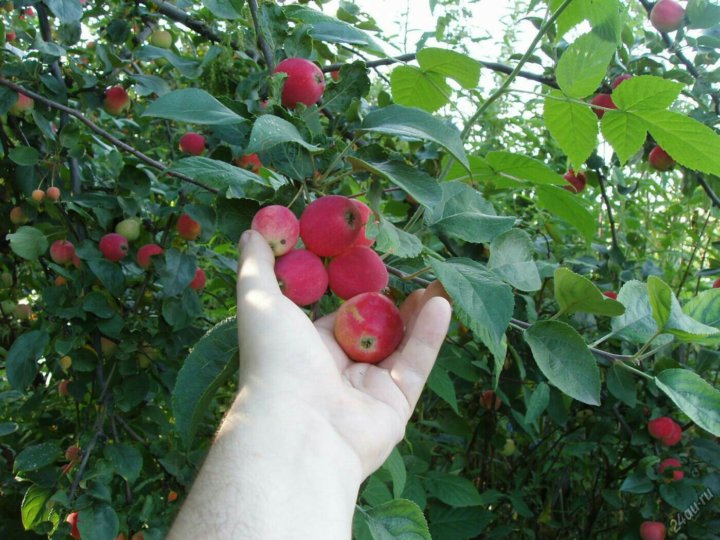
(72,519)
(652,530)
(610,294)
(63,388)
(60,281)
(672,463)
(113,246)
(279,226)
(602,100)
(667,16)
(62,252)
(675,436)
(22,105)
(357,270)
(335,74)
(251,162)
(116,100)
(302,276)
(17,216)
(329,225)
(145,254)
(620,79)
(73,453)
(10,36)
(660,427)
(199,280)
(53,193)
(38,195)
(369,327)
(577,181)
(716,283)
(188,228)
(192,143)
(305,82)
(660,160)
(489,400)
(365,213)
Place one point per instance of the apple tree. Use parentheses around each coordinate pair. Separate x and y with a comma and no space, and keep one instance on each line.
(564,193)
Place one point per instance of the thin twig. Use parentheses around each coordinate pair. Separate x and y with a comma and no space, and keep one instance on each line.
(709,191)
(613,231)
(104,134)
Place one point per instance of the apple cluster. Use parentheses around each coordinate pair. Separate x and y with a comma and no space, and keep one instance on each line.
(336,254)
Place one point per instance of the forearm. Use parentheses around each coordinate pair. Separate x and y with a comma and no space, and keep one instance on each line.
(261,480)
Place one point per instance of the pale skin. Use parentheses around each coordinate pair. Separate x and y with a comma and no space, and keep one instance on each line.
(308,425)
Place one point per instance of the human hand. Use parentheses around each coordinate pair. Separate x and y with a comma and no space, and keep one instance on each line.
(285,358)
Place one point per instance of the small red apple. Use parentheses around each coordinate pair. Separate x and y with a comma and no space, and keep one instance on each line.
(188,228)
(610,294)
(335,74)
(667,16)
(365,213)
(716,283)
(305,82)
(17,216)
(192,143)
(369,327)
(145,254)
(357,270)
(62,252)
(660,160)
(53,193)
(602,100)
(113,246)
(490,400)
(279,226)
(652,530)
(22,105)
(199,280)
(11,36)
(72,519)
(675,466)
(329,225)
(302,276)
(250,162)
(38,195)
(577,181)
(660,427)
(619,80)
(73,453)
(63,388)
(116,100)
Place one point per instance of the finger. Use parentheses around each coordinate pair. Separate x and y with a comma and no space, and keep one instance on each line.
(411,364)
(433,290)
(256,266)
(409,307)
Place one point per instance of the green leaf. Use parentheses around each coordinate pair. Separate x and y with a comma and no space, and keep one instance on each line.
(110,275)
(689,142)
(538,402)
(125,460)
(622,385)
(511,258)
(213,359)
(269,131)
(458,523)
(637,483)
(702,14)
(564,358)
(28,243)
(390,239)
(99,522)
(482,302)
(459,67)
(646,92)
(574,292)
(68,11)
(24,155)
(33,510)
(521,168)
(463,212)
(8,428)
(636,324)
(567,206)
(177,272)
(151,84)
(36,457)
(225,9)
(240,183)
(21,364)
(420,185)
(326,28)
(583,65)
(395,465)
(452,490)
(354,83)
(573,125)
(415,124)
(669,316)
(693,395)
(188,67)
(705,307)
(441,384)
(397,520)
(194,106)
(414,87)
(679,495)
(625,132)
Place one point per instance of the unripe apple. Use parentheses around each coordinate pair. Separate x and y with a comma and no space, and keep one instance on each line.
(357,270)
(279,226)
(251,162)
(602,100)
(62,252)
(490,400)
(145,254)
(672,463)
(22,312)
(22,105)
(667,16)
(65,362)
(73,453)
(660,160)
(63,388)
(116,100)
(577,181)
(107,346)
(509,448)
(72,519)
(53,193)
(369,327)
(113,246)
(192,143)
(38,195)
(188,228)
(365,213)
(610,294)
(17,216)
(652,530)
(129,228)
(161,38)
(60,281)
(6,280)
(302,276)
(8,307)
(305,82)
(199,280)
(329,225)
(716,283)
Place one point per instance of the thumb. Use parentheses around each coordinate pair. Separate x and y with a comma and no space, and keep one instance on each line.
(256,266)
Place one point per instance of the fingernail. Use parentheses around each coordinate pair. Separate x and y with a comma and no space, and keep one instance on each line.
(244,239)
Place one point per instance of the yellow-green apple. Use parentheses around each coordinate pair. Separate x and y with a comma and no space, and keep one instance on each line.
(161,38)
(129,228)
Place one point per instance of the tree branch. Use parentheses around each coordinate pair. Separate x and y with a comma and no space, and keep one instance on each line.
(613,231)
(104,134)
(260,38)
(709,191)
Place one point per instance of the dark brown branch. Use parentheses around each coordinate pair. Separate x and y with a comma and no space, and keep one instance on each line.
(104,134)
(709,191)
(260,38)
